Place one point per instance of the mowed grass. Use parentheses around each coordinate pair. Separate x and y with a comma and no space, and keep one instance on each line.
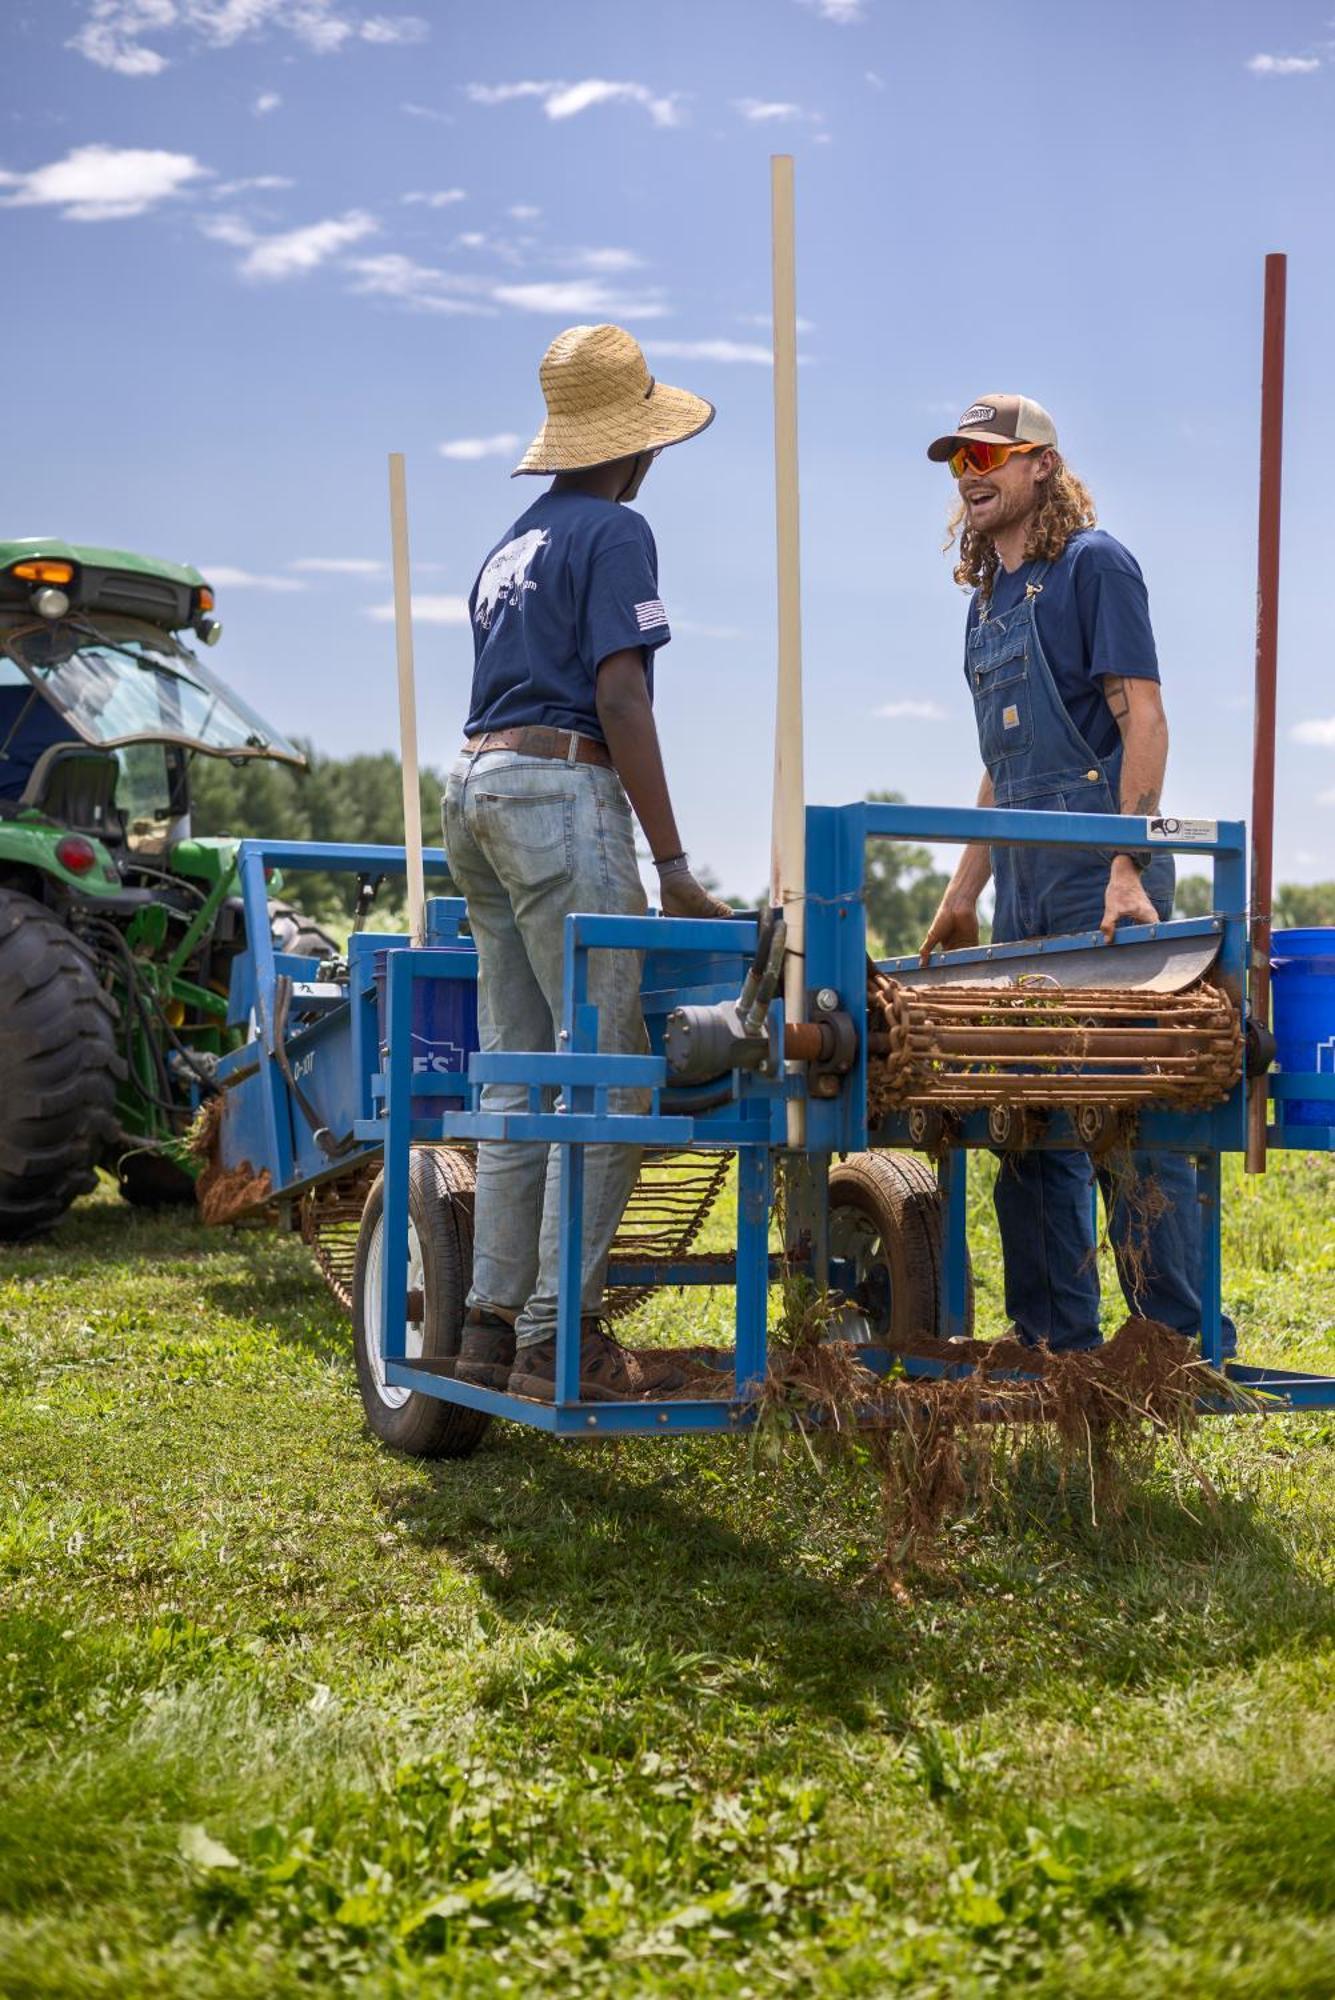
(280,1713)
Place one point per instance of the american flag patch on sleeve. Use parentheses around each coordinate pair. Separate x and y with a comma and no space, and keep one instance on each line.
(650,613)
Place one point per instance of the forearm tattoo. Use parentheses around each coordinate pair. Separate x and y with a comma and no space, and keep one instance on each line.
(1115,694)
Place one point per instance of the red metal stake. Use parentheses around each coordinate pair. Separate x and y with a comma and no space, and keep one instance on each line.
(1267,648)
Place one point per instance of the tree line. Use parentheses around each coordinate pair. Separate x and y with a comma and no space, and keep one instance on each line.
(360,798)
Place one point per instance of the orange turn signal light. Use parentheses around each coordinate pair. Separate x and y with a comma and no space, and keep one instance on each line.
(39,570)
(206,599)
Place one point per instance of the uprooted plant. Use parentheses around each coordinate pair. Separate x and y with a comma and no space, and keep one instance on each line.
(942,1444)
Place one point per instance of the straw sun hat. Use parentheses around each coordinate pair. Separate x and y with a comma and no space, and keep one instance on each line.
(602,403)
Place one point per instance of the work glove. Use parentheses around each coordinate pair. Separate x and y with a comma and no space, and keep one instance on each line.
(682,896)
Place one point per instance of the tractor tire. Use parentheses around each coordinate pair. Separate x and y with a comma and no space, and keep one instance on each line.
(293,931)
(59,1066)
(886,1218)
(440,1270)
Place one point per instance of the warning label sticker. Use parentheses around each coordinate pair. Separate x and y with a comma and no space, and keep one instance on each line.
(1182,829)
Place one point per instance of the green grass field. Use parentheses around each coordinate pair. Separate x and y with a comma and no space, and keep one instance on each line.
(283,1714)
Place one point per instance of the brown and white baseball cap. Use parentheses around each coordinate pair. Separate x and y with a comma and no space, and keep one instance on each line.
(997,420)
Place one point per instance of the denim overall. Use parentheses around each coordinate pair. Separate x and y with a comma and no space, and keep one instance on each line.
(1037,759)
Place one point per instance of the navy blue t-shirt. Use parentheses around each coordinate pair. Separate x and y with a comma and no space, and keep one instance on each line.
(1093,619)
(573,581)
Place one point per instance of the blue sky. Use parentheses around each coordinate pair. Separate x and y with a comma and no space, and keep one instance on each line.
(253,245)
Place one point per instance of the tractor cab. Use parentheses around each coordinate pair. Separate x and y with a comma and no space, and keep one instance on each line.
(103,701)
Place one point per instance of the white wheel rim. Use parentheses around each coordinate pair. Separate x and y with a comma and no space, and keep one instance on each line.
(388,1393)
(855,1239)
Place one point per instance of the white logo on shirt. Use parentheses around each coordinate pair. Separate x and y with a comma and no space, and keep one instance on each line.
(506,575)
(650,613)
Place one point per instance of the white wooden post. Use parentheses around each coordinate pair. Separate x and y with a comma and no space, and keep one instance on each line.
(788,885)
(403,636)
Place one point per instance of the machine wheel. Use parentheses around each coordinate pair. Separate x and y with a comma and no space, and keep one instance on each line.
(293,931)
(58,1068)
(440,1267)
(886,1219)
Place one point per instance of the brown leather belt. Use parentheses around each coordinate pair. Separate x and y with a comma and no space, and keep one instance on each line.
(537,740)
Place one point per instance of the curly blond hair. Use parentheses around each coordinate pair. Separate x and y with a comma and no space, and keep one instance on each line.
(1066,507)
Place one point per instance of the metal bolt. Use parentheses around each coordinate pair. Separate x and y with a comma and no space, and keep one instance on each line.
(827,1000)
(592,1423)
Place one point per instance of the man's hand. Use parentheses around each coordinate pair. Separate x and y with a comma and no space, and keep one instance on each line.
(683,896)
(1125,901)
(954,926)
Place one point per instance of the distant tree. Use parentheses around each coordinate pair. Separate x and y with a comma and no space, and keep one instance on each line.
(903,888)
(1305,905)
(1195,896)
(1298,905)
(357,799)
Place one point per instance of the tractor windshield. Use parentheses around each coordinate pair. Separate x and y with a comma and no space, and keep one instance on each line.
(126,682)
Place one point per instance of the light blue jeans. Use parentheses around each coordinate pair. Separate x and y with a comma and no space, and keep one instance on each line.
(530,840)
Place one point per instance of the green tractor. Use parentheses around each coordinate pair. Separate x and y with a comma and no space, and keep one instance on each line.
(117,925)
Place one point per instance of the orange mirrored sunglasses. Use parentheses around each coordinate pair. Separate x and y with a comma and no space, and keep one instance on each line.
(979,456)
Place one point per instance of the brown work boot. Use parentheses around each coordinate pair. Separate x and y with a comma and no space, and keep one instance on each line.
(607,1372)
(487,1350)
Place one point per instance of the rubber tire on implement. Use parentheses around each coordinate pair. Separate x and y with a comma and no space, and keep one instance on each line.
(440,1190)
(896,1204)
(59,1065)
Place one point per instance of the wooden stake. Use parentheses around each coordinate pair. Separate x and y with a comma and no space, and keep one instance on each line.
(406,699)
(403,636)
(1267,662)
(789,819)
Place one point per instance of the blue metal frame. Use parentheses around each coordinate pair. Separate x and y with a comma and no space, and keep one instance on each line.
(689,960)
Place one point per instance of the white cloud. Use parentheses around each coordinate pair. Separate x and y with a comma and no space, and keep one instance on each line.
(874,78)
(114,31)
(441,198)
(1319,730)
(713,350)
(102,183)
(426,611)
(224,577)
(567,100)
(912,711)
(388,30)
(524,211)
(761,111)
(339,565)
(579,296)
(472,239)
(603,260)
(419,287)
(499,446)
(255,183)
(110,35)
(1326,798)
(427,111)
(1283,65)
(292,253)
(842,12)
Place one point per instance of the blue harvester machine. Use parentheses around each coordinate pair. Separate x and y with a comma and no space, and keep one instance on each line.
(359,1098)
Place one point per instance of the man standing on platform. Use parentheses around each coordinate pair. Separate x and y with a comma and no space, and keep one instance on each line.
(560,745)
(1062,669)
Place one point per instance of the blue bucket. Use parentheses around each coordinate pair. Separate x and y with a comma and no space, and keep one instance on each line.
(1302,984)
(444,1029)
